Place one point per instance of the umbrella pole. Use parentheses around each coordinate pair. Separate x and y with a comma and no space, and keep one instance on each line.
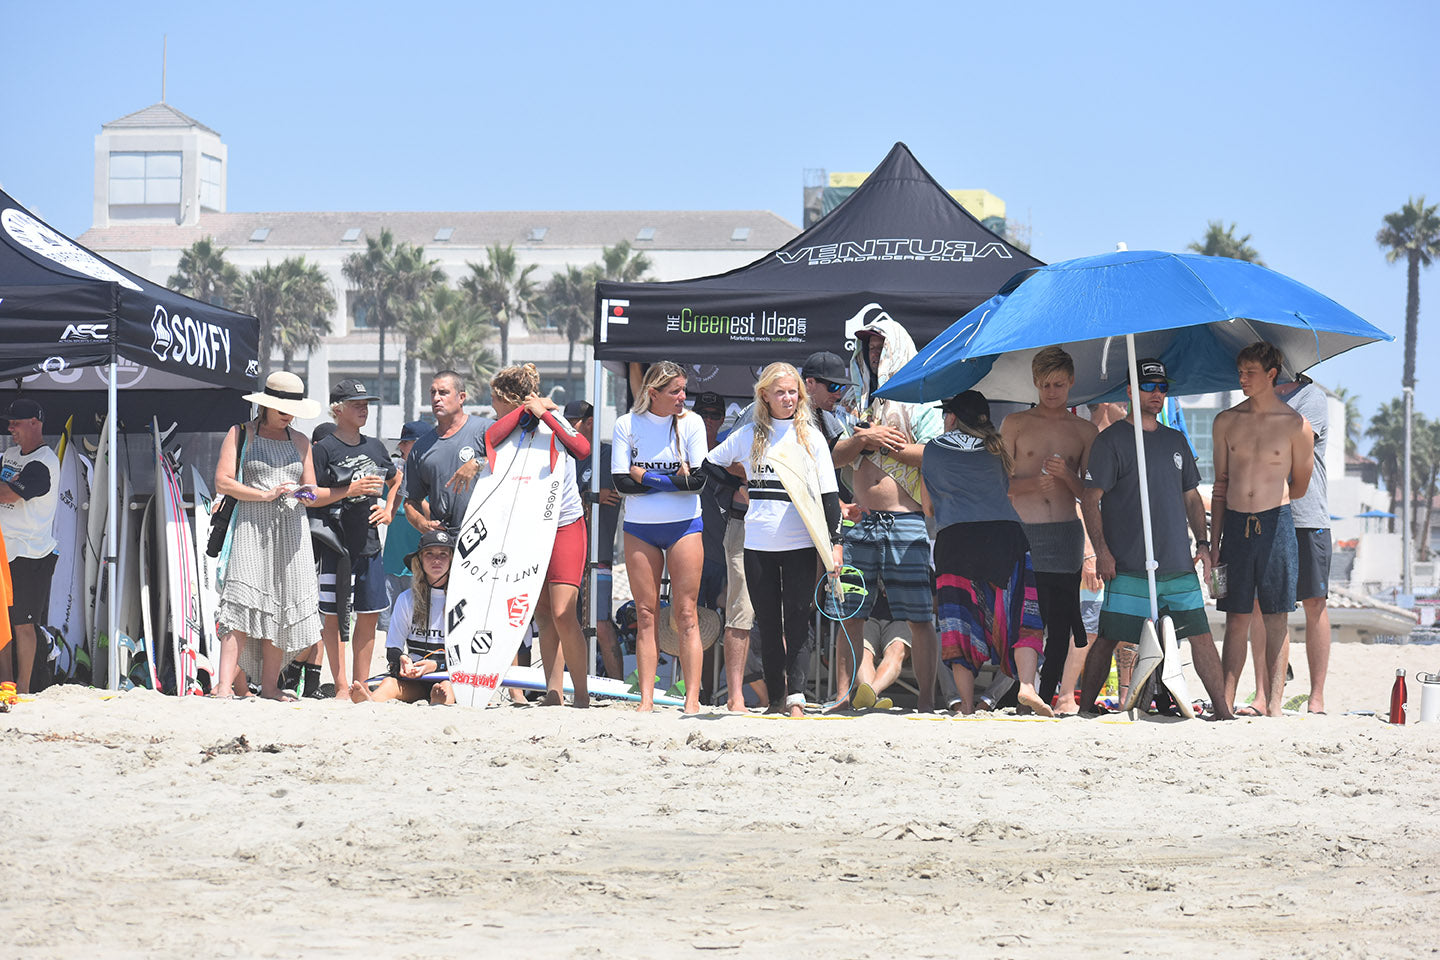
(1150,563)
(112,608)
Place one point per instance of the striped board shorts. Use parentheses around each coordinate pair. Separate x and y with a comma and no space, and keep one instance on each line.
(981,623)
(1127,605)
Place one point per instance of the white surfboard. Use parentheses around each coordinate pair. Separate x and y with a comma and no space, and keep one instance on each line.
(181,609)
(533,678)
(501,554)
(205,568)
(98,511)
(126,578)
(67,590)
(147,610)
(801,479)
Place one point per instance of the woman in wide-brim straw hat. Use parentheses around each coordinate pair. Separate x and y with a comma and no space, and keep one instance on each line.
(270,593)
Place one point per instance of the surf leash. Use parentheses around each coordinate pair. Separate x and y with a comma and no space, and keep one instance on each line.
(842,596)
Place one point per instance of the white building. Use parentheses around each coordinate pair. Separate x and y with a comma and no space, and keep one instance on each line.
(160,185)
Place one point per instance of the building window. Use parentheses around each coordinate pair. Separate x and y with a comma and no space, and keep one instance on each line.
(210,194)
(144,178)
(357,308)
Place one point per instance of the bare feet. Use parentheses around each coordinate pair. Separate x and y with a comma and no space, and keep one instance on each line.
(736,707)
(552,698)
(284,696)
(1027,697)
(646,706)
(797,711)
(1066,706)
(360,692)
(580,701)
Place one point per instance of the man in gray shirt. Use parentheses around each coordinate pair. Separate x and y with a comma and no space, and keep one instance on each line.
(1311,514)
(442,465)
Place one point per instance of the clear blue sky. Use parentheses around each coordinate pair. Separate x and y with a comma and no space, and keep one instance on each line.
(1302,122)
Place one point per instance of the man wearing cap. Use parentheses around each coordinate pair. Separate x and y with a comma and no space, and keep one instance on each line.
(401,538)
(28,472)
(355,469)
(1111,508)
(442,466)
(890,544)
(1264,456)
(826,380)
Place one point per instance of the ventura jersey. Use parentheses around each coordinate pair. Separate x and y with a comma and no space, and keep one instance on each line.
(772,523)
(647,441)
(418,644)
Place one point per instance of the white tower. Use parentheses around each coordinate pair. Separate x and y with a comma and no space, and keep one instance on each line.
(158,165)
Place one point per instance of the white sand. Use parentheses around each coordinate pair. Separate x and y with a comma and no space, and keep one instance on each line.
(407,831)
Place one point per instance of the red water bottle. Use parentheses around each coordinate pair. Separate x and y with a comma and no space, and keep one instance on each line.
(1398,696)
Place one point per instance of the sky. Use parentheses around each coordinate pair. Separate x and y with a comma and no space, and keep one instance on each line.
(1303,123)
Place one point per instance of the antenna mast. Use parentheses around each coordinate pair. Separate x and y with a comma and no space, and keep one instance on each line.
(164,53)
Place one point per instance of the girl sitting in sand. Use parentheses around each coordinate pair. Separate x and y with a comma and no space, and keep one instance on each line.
(415,643)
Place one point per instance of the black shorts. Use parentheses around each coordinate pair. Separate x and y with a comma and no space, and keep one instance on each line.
(30,580)
(1313,579)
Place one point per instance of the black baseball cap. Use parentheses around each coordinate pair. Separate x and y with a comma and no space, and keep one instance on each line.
(578,409)
(414,430)
(23,408)
(350,389)
(827,366)
(1151,370)
(710,401)
(322,431)
(971,407)
(431,538)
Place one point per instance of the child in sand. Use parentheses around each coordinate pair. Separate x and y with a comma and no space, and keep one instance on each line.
(415,643)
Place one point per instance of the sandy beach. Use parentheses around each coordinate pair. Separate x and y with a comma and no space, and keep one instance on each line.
(142,826)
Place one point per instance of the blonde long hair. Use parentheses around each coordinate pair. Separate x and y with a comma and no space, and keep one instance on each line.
(994,443)
(658,377)
(420,588)
(764,421)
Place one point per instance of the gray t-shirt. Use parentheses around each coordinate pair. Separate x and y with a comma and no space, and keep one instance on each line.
(966,482)
(1171,472)
(433,461)
(1313,509)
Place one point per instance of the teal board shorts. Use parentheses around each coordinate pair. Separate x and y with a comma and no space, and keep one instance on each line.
(1127,605)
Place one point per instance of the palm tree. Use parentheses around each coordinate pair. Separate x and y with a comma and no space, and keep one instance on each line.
(387,277)
(451,332)
(1352,420)
(621,265)
(1413,232)
(569,302)
(1427,448)
(292,301)
(1220,241)
(1387,430)
(504,290)
(202,273)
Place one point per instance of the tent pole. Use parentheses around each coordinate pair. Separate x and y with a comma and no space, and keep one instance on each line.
(1150,563)
(597,391)
(111,534)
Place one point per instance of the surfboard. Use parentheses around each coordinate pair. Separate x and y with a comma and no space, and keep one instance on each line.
(126,578)
(801,480)
(501,554)
(98,510)
(533,678)
(205,569)
(66,615)
(181,594)
(147,615)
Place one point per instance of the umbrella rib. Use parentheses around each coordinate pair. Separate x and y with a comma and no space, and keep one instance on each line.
(936,353)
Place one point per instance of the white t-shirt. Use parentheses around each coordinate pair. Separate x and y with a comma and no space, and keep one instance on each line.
(645,440)
(29,525)
(572,508)
(774,524)
(418,644)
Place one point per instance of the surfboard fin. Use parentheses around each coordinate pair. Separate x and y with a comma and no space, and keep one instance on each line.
(1172,673)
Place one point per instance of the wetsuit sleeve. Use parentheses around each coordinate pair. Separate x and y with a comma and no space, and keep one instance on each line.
(718,476)
(502,428)
(831,503)
(576,445)
(626,485)
(392,658)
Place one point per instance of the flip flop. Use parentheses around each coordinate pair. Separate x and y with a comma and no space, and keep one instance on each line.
(864,697)
(1248,711)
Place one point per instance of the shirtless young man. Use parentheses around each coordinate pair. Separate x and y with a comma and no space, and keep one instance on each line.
(890,544)
(1048,446)
(1264,455)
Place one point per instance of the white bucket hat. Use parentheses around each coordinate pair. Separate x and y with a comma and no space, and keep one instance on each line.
(286,392)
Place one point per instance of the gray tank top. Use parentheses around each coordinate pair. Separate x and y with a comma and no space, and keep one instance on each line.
(967,483)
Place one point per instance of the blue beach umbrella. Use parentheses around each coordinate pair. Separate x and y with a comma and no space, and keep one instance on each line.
(1193,312)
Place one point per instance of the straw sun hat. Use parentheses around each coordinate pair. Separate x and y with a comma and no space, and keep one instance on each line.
(286,392)
(667,638)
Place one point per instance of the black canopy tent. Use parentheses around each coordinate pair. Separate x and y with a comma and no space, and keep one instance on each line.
(75,329)
(898,244)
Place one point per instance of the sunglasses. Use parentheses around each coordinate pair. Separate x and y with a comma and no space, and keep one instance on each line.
(1155,387)
(832,387)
